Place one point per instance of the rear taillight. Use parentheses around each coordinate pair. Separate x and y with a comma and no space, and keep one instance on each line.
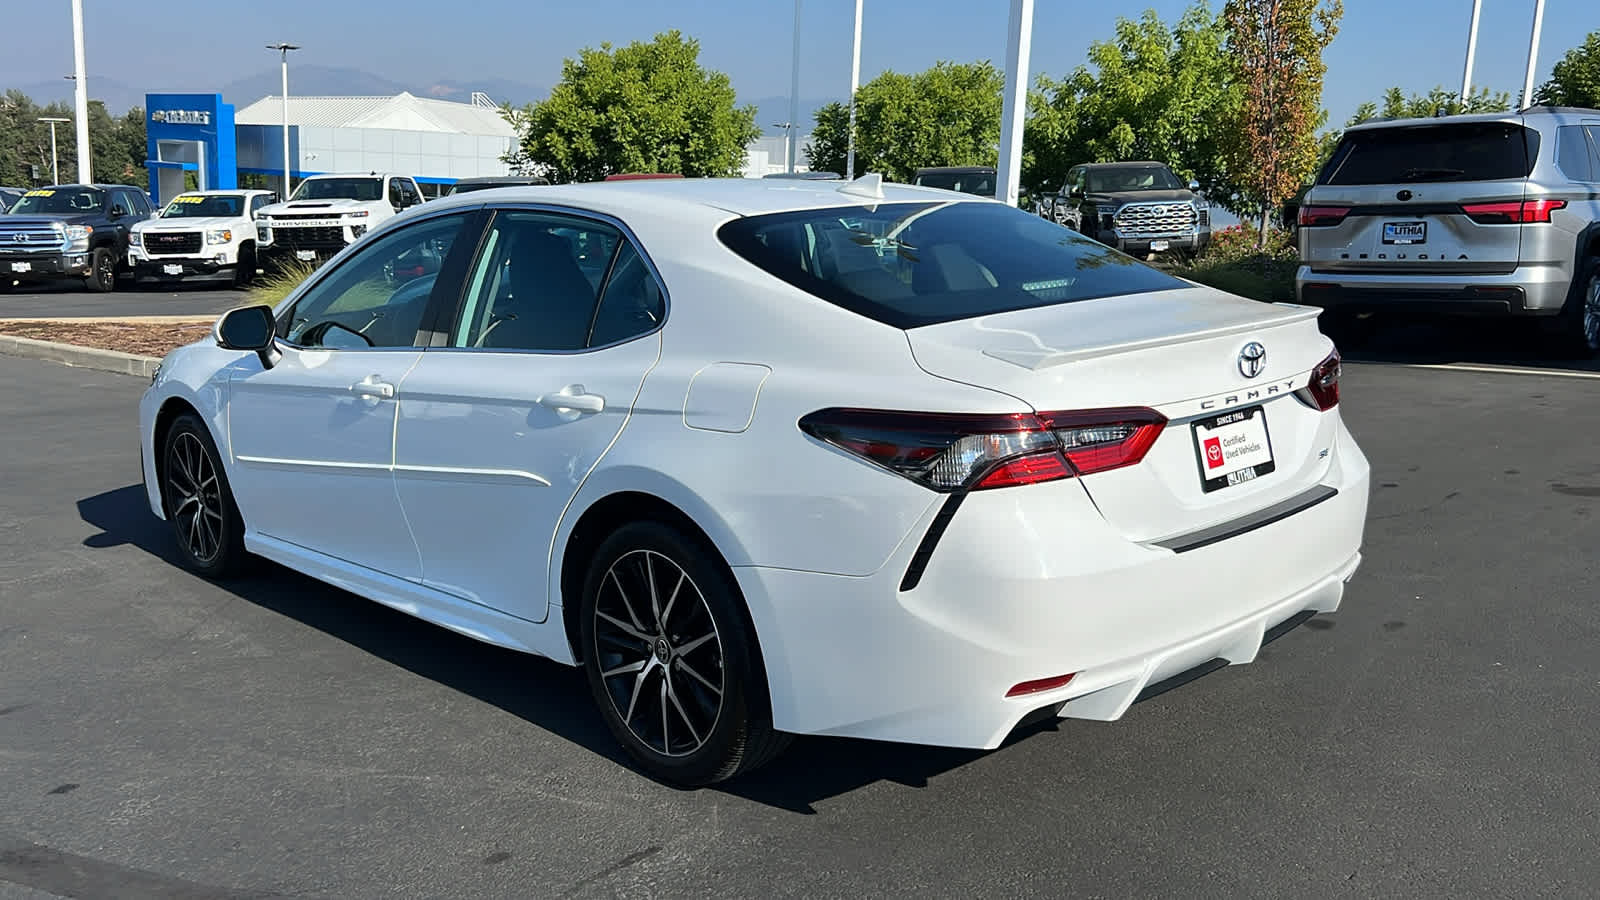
(1322,392)
(1514,212)
(1322,216)
(955,452)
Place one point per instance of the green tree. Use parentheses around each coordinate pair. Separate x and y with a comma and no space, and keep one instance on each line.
(1575,80)
(1276,49)
(117,143)
(1154,91)
(646,107)
(948,115)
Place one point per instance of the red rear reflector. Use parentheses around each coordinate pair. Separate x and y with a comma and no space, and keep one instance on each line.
(1513,212)
(1026,470)
(1322,216)
(1039,686)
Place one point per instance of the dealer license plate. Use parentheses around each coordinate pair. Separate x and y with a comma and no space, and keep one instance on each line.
(1405,232)
(22,267)
(305,255)
(172,270)
(1158,246)
(1233,448)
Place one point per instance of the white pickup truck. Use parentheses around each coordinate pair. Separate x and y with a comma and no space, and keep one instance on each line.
(200,234)
(327,213)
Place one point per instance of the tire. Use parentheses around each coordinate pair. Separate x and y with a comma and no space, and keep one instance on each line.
(206,525)
(686,699)
(1576,331)
(102,277)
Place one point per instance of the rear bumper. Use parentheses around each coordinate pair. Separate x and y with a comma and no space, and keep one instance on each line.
(1027,588)
(1528,291)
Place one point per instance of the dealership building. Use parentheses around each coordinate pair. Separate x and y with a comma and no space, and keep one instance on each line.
(198,139)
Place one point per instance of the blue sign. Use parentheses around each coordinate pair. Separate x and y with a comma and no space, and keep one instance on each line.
(189,133)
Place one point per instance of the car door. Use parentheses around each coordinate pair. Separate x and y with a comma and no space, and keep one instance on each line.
(556,331)
(312,437)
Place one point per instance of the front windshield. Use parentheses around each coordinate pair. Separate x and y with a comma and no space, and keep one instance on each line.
(193,206)
(977,183)
(1132,178)
(363,189)
(71,201)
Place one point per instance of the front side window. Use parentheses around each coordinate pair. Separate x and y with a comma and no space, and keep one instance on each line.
(538,281)
(364,189)
(74,201)
(913,264)
(381,296)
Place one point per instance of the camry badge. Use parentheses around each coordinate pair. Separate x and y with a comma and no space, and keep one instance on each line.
(1252,359)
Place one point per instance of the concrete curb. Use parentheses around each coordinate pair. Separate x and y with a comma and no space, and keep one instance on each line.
(82,357)
(117,320)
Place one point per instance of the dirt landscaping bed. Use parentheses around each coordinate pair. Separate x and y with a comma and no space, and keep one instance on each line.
(142,338)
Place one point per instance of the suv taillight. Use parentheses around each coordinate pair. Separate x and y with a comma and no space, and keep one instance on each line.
(1322,216)
(956,452)
(1525,212)
(1322,393)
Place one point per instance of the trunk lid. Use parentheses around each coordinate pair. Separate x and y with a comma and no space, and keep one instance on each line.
(1178,352)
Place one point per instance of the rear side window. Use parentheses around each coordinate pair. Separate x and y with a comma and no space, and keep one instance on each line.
(1572,153)
(913,264)
(1476,151)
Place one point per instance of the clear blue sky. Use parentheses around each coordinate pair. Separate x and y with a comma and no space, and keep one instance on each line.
(1417,44)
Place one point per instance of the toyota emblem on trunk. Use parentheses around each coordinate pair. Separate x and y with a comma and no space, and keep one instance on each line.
(1252,359)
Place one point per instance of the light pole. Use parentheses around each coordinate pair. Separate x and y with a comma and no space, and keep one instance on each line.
(55,167)
(855,82)
(794,94)
(80,92)
(1014,104)
(1472,49)
(1533,53)
(284,49)
(786,137)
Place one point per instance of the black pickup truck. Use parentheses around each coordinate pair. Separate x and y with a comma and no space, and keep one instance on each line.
(70,231)
(1136,207)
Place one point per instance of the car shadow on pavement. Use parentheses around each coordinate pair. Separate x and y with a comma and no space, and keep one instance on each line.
(1415,340)
(811,770)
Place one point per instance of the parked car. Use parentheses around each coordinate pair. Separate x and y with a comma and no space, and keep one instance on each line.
(9,197)
(327,213)
(486,182)
(1493,214)
(978,181)
(69,232)
(778,458)
(1136,207)
(641,176)
(200,234)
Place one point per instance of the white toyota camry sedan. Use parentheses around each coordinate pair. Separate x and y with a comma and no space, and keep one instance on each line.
(777,457)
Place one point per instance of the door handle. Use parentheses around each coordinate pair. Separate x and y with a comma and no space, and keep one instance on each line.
(573,398)
(372,387)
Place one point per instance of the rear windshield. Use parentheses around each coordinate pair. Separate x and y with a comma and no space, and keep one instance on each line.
(1477,151)
(912,264)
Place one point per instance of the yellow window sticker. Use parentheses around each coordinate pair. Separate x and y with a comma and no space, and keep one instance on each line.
(40,194)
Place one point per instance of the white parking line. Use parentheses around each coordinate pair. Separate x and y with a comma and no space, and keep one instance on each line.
(1492,370)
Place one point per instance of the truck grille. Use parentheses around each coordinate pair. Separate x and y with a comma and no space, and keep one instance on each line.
(1139,220)
(298,238)
(175,242)
(29,238)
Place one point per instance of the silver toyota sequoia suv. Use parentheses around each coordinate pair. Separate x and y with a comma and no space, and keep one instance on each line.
(1495,214)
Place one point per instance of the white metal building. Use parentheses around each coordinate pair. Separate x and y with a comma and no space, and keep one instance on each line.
(437,141)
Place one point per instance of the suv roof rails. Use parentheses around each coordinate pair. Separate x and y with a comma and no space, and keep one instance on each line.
(1543,109)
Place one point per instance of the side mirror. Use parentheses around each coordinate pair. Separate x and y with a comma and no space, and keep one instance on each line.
(248,328)
(1076,191)
(1194,185)
(117,212)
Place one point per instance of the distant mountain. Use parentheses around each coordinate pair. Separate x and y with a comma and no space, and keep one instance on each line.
(500,90)
(118,97)
(309,81)
(774,111)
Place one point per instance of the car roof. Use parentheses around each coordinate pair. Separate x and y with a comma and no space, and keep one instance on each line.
(955,169)
(1413,122)
(1128,164)
(739,196)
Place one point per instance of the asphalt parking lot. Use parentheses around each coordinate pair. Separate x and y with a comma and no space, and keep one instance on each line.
(50,301)
(163,736)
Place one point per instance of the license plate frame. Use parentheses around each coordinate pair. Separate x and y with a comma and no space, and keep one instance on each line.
(1158,246)
(1405,234)
(1237,431)
(21,267)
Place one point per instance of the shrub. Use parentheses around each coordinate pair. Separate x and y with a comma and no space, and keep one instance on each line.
(280,282)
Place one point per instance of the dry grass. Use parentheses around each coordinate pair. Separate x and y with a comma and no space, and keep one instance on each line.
(143,339)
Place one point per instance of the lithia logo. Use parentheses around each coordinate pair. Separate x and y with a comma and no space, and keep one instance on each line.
(181,116)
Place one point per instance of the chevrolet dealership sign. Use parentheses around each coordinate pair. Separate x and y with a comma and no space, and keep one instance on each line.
(181,116)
